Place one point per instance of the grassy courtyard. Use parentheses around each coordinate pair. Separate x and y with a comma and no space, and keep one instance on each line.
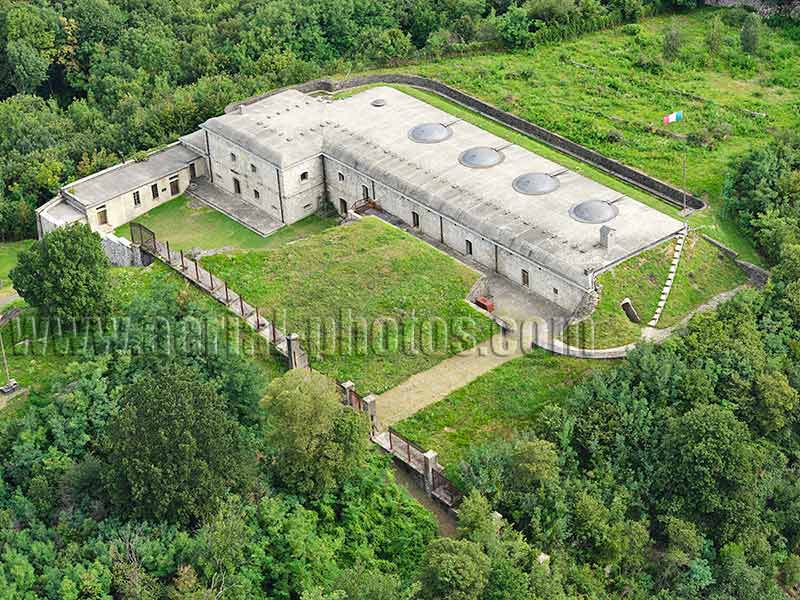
(499,404)
(187,225)
(371,303)
(703,273)
(641,279)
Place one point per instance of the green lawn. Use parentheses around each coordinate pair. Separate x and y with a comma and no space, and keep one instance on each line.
(703,273)
(393,291)
(497,404)
(185,228)
(641,279)
(611,104)
(8,260)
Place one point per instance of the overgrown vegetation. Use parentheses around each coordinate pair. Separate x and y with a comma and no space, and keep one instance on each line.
(140,474)
(371,303)
(610,90)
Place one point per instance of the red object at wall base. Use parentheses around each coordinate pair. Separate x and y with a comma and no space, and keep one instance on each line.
(485,303)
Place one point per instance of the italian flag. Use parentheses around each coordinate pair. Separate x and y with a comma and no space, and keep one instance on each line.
(671,118)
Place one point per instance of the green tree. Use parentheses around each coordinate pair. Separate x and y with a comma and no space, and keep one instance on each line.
(173,451)
(673,41)
(750,33)
(711,471)
(65,274)
(315,441)
(713,38)
(454,569)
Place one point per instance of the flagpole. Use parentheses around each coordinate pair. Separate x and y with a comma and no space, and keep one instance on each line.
(684,181)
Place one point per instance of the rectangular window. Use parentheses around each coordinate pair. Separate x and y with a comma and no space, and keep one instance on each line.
(256,194)
(174,188)
(555,291)
(233,157)
(192,171)
(469,248)
(304,176)
(154,190)
(364,192)
(137,199)
(253,168)
(341,176)
(525,278)
(102,216)
(237,187)
(414,219)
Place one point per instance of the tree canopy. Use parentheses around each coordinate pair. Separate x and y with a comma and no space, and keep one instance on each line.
(65,274)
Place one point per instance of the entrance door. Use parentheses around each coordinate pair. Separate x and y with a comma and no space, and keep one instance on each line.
(343,206)
(192,171)
(174,188)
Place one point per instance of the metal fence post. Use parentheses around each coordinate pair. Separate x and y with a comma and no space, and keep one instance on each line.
(227,300)
(169,254)
(196,271)
(241,305)
(183,264)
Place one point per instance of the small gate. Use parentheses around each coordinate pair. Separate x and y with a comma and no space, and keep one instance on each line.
(144,237)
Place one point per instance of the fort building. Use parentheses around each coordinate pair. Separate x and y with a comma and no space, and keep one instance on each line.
(277,160)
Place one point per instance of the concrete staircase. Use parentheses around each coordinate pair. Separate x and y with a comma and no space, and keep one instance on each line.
(676,257)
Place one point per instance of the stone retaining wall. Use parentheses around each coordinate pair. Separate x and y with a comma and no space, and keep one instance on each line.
(654,186)
(123,253)
(757,275)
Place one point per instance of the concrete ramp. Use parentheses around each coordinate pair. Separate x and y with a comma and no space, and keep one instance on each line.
(244,213)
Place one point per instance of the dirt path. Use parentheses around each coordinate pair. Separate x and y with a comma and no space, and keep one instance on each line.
(427,387)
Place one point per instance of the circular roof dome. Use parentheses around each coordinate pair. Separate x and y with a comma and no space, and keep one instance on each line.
(593,211)
(481,157)
(535,184)
(429,133)
(378,102)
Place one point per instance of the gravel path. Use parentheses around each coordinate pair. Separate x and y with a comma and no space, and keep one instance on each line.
(427,387)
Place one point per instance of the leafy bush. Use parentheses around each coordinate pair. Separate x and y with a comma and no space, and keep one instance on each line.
(65,274)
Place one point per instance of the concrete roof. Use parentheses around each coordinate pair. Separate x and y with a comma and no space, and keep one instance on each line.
(62,212)
(291,126)
(113,182)
(278,128)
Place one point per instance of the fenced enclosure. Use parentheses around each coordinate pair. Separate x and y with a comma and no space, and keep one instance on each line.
(144,237)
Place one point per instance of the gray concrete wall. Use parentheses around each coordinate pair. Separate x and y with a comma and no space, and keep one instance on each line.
(264,180)
(303,196)
(542,282)
(121,252)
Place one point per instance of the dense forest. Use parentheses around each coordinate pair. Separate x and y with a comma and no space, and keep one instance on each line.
(147,474)
(85,83)
(144,475)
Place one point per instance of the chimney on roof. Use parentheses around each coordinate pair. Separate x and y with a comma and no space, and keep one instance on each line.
(607,235)
(241,109)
